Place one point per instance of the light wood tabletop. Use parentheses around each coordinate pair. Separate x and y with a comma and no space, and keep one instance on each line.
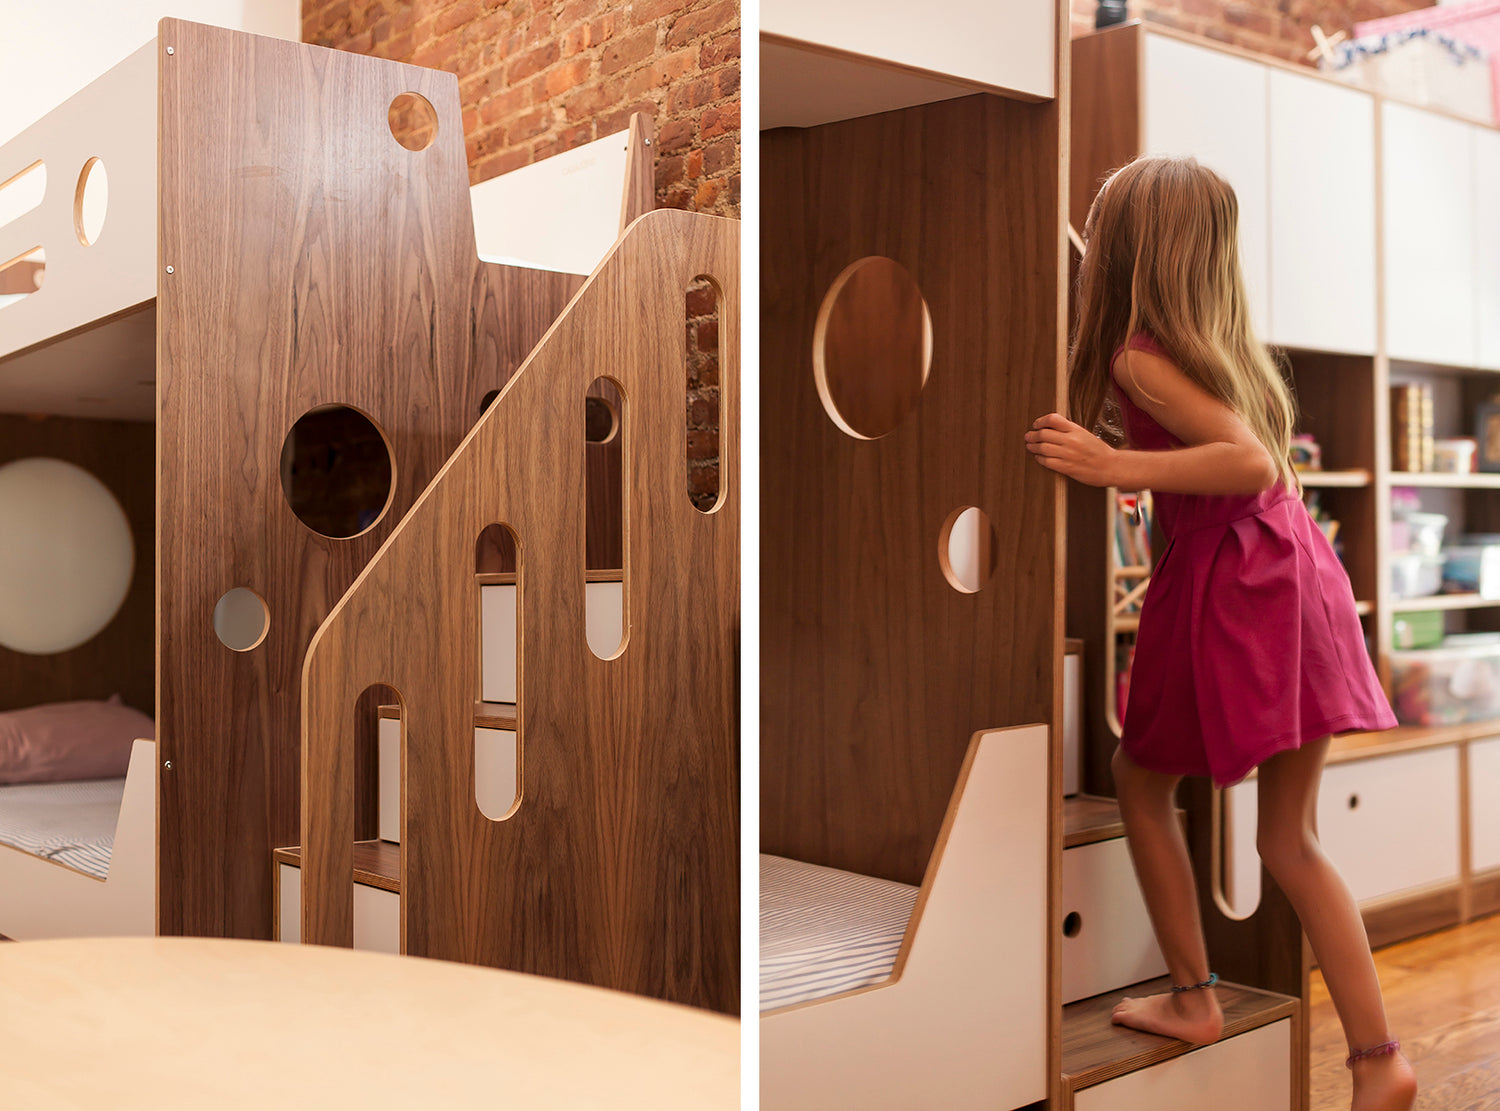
(195,1023)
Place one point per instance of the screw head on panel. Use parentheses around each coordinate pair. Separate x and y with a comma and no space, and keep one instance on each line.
(166,765)
(171,51)
(169,270)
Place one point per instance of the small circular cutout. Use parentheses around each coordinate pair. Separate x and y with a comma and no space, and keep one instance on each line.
(487,400)
(1353,802)
(600,421)
(90,202)
(413,121)
(67,556)
(872,347)
(336,471)
(241,619)
(968,549)
(1072,924)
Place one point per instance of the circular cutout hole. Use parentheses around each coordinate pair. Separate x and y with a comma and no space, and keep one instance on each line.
(1353,802)
(600,421)
(872,347)
(90,202)
(968,549)
(1072,924)
(336,471)
(487,400)
(66,556)
(413,121)
(241,619)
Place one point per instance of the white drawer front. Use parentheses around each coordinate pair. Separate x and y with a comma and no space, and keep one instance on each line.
(1252,1072)
(377,913)
(1484,804)
(497,640)
(388,821)
(1072,729)
(1111,943)
(1391,823)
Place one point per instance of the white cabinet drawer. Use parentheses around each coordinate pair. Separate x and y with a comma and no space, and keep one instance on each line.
(1391,823)
(377,913)
(1251,1072)
(1484,804)
(1487,217)
(1107,941)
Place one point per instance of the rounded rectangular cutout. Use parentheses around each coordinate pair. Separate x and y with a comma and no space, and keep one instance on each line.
(606,519)
(703,353)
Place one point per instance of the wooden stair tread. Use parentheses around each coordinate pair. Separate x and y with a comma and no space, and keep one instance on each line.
(1094,1050)
(508,578)
(1089,818)
(376,863)
(487,715)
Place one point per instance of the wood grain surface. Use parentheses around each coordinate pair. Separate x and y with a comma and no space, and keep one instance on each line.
(619,867)
(315,261)
(1442,999)
(874,670)
(1094,1050)
(376,863)
(119,659)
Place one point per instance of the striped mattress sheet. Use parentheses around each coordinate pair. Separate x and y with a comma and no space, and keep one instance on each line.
(825,931)
(71,823)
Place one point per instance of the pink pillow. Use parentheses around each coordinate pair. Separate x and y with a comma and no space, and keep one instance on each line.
(70,740)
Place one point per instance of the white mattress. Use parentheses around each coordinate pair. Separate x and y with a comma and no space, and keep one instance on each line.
(825,931)
(72,823)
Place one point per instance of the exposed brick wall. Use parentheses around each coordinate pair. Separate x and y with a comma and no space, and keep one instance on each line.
(537,77)
(1282,28)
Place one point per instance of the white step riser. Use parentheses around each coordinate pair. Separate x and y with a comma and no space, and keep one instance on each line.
(377,913)
(604,626)
(1114,946)
(496,776)
(1251,1072)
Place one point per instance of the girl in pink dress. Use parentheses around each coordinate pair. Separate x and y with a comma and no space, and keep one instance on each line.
(1250,653)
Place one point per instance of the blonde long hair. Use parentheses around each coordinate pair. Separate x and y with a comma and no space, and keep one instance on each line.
(1163,258)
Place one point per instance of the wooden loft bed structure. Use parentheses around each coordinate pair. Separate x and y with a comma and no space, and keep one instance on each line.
(275,245)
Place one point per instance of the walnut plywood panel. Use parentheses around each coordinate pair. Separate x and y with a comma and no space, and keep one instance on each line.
(118,660)
(619,866)
(873,668)
(962,1022)
(1105,122)
(112,119)
(315,261)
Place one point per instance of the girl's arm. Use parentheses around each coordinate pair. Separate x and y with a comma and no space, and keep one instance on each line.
(1220,454)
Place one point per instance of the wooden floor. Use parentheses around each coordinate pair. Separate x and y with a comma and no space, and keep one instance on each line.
(1442,999)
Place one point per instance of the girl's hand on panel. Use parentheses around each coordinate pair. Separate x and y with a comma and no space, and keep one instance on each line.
(1065,447)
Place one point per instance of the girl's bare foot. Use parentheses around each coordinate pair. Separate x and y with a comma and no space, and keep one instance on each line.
(1192,1016)
(1385,1083)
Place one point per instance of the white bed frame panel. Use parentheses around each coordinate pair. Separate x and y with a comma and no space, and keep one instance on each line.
(41,899)
(962,1022)
(562,213)
(112,119)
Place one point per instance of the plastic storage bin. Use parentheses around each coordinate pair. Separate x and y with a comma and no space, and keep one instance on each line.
(1443,686)
(1427,532)
(1414,575)
(1474,568)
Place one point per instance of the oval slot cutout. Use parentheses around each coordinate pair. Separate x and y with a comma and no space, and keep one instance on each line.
(872,347)
(22,276)
(23,191)
(967,549)
(703,407)
(90,202)
(1236,871)
(337,472)
(241,619)
(413,121)
(605,523)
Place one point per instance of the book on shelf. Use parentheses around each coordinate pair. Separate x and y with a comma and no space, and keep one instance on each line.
(1413,431)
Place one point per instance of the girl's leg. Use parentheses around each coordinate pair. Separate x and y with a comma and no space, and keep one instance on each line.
(1287,838)
(1165,872)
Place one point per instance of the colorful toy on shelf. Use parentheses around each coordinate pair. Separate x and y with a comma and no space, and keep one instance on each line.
(1307,455)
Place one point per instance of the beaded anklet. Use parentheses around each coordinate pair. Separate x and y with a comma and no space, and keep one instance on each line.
(1376,1051)
(1210,982)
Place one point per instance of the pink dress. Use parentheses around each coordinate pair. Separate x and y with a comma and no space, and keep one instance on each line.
(1249,643)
